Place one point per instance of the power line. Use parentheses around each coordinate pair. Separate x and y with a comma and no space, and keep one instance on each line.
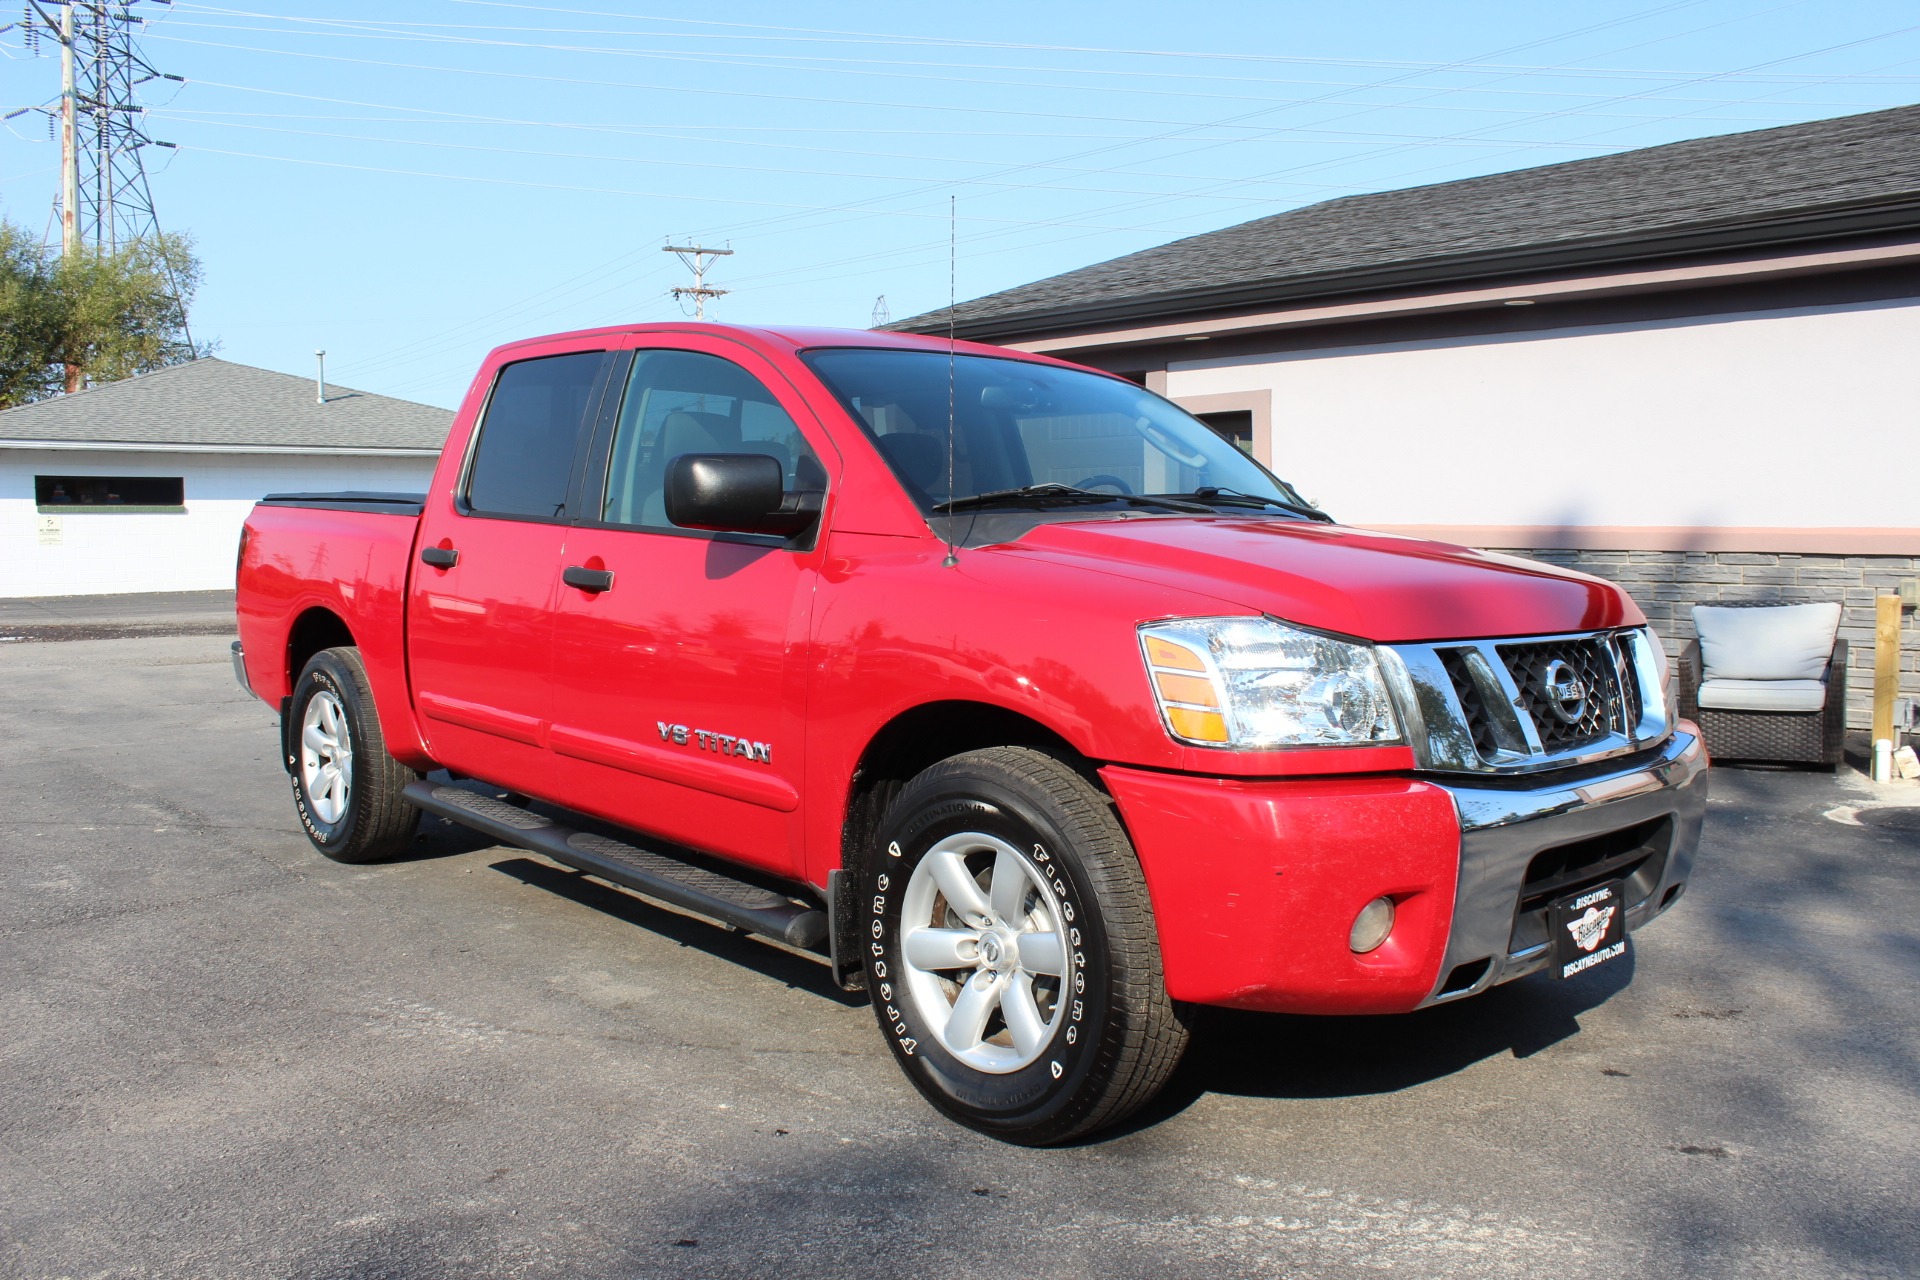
(1133,206)
(1181,129)
(1239,120)
(1241,183)
(917,70)
(803,209)
(659,162)
(1336,90)
(859,37)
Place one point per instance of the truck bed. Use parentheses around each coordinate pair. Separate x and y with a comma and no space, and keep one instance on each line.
(310,562)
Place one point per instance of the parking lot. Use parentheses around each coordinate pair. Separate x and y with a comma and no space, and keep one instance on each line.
(226,1056)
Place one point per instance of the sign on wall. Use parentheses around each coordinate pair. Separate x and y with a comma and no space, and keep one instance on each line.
(50,532)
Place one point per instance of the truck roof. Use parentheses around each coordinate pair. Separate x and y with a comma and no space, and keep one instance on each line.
(792,338)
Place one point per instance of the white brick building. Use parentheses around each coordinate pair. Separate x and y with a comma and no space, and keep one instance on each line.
(142,485)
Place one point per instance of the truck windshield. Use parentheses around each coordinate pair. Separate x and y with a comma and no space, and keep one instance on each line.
(1035,436)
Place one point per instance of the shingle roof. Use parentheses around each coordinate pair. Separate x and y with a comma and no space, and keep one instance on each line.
(216,402)
(1771,186)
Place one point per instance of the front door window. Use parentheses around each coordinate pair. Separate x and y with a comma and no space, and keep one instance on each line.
(680,402)
(679,688)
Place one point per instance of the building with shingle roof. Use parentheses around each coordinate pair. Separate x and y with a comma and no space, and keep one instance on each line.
(217,404)
(1802,184)
(1687,367)
(142,485)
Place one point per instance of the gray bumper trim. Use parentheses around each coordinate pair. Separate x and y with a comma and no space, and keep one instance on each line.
(1502,828)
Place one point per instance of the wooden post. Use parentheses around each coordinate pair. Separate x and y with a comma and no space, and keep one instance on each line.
(1886,663)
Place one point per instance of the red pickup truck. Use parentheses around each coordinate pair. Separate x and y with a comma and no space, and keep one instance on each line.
(1036,708)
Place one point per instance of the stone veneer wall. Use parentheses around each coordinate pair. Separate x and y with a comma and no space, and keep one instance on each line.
(1667,584)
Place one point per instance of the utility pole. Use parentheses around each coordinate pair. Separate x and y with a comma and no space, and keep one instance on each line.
(74,377)
(69,148)
(696,259)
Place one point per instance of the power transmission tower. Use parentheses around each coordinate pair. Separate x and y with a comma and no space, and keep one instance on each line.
(696,259)
(105,198)
(880,313)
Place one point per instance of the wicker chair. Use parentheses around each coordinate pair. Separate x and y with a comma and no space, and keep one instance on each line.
(1799,737)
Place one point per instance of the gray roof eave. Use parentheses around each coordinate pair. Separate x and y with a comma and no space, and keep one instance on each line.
(1878,215)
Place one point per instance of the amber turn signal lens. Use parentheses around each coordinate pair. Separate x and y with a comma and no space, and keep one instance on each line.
(1197,690)
(1163,653)
(1197,726)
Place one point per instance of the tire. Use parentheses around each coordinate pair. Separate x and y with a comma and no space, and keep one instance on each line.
(346,788)
(1012,956)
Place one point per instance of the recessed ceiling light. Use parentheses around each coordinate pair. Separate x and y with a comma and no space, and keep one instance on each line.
(1198,337)
(1519,302)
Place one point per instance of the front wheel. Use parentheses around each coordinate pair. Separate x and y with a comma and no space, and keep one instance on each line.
(346,788)
(1013,958)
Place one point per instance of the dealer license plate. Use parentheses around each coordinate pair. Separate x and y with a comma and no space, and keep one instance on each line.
(1588,928)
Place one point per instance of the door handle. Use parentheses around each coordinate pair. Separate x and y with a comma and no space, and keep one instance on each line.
(440,557)
(589,580)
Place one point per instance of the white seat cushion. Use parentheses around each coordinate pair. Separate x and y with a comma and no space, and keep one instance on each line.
(1789,642)
(1763,695)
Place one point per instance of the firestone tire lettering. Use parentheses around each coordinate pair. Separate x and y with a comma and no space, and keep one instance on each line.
(376,823)
(1113,1037)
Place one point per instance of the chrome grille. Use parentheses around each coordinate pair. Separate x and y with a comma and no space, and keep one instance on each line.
(1472,705)
(1594,672)
(1519,704)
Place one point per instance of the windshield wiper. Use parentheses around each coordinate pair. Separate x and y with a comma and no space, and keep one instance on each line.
(1216,496)
(1063,495)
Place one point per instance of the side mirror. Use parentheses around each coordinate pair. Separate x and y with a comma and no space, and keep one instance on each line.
(736,493)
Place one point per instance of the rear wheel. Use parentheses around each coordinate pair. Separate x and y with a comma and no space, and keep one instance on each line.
(346,788)
(1013,958)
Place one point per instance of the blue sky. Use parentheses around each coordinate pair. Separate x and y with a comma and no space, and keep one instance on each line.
(408,184)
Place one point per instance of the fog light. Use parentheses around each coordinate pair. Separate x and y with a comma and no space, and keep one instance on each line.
(1371,926)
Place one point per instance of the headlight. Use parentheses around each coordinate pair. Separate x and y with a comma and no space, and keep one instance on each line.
(1253,683)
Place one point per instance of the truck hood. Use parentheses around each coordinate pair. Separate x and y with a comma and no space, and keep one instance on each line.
(1376,586)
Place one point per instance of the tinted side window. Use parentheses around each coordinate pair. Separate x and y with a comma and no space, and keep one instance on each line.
(527,439)
(683,402)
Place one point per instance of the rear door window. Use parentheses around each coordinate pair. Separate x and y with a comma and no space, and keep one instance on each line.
(523,463)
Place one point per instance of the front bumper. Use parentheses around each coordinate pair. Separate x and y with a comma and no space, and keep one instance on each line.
(1503,830)
(1255,884)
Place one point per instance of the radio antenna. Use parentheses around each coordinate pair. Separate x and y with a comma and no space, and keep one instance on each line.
(953,296)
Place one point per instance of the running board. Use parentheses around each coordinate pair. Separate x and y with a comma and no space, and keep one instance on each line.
(708,893)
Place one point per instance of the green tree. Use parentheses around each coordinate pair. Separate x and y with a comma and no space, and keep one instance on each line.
(27,371)
(90,316)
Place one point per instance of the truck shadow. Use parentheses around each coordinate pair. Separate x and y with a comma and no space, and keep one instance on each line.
(789,968)
(1256,1055)
(436,837)
(1286,1056)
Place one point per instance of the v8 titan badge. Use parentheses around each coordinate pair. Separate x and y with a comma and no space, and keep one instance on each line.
(1587,928)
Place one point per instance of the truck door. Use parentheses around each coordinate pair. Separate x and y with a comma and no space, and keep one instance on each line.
(480,612)
(679,656)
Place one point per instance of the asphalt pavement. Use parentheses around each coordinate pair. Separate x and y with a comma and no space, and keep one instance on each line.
(107,617)
(224,1056)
